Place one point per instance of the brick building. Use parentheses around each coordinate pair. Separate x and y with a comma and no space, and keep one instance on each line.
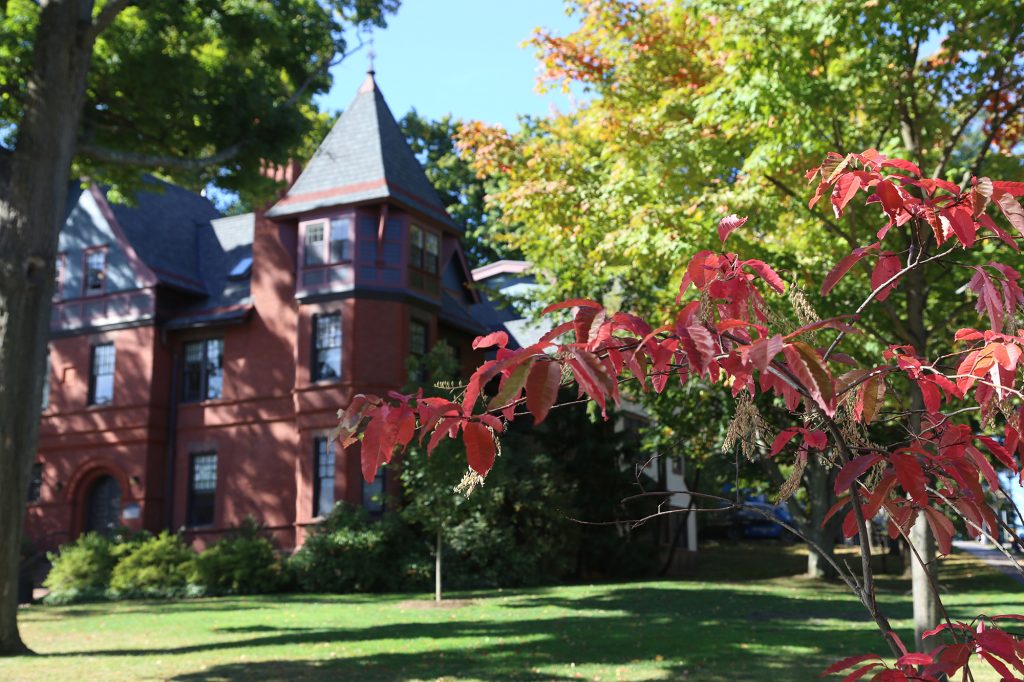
(197,361)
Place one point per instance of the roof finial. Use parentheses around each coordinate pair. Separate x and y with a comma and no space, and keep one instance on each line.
(371,54)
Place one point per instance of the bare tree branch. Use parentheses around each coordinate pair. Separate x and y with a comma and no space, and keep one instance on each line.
(119,157)
(106,17)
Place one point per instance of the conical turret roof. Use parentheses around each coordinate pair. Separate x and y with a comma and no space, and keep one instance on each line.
(364,157)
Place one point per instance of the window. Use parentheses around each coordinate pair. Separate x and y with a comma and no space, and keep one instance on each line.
(341,242)
(432,252)
(202,488)
(101,378)
(418,350)
(314,247)
(95,270)
(328,242)
(417,337)
(46,383)
(35,483)
(204,370)
(424,249)
(415,247)
(323,483)
(242,269)
(373,494)
(327,347)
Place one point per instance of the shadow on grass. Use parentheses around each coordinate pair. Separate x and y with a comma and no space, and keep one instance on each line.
(707,634)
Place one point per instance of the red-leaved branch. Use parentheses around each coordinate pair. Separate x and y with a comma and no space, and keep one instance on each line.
(723,334)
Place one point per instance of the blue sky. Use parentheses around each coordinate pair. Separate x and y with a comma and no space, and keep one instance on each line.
(457,56)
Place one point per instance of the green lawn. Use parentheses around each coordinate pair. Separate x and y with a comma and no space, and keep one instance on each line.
(714,627)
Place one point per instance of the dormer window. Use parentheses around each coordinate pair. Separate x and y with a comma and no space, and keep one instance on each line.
(424,249)
(242,269)
(327,242)
(95,271)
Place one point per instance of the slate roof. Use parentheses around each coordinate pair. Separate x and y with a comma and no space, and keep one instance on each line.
(364,157)
(163,227)
(223,242)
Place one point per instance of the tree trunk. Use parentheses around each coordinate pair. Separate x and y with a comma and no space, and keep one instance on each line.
(819,490)
(926,608)
(437,568)
(33,194)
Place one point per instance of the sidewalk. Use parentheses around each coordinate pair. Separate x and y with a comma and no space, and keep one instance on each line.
(992,557)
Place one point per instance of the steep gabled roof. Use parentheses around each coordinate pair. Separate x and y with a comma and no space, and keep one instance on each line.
(162,225)
(364,157)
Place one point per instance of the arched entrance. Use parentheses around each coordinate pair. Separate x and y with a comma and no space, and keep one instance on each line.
(103,506)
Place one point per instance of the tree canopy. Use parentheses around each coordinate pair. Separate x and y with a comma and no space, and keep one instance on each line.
(703,108)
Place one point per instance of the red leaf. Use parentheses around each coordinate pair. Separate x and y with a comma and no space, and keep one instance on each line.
(705,346)
(930,395)
(983,464)
(869,399)
(571,303)
(553,334)
(962,223)
(849,662)
(729,223)
(902,165)
(510,388)
(765,272)
(843,501)
(784,437)
(378,442)
(911,476)
(845,189)
(1010,207)
(887,267)
(914,659)
(808,367)
(542,388)
(761,353)
(843,266)
(830,323)
(499,339)
(479,447)
(860,672)
(942,528)
(852,470)
(815,439)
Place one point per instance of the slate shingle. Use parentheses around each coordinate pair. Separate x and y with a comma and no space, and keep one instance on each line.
(364,157)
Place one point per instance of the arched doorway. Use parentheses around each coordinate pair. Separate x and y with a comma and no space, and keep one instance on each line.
(103,506)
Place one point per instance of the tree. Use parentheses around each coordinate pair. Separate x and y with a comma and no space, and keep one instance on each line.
(431,500)
(937,463)
(703,105)
(461,190)
(193,90)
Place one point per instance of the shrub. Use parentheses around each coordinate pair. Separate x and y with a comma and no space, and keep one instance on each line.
(158,566)
(348,552)
(242,563)
(81,570)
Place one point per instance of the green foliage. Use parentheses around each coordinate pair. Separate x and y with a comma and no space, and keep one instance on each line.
(179,80)
(160,566)
(349,552)
(241,563)
(81,570)
(461,190)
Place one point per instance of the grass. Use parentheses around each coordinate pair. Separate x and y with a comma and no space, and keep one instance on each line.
(718,626)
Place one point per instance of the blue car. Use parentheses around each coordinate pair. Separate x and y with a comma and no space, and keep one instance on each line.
(758,519)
